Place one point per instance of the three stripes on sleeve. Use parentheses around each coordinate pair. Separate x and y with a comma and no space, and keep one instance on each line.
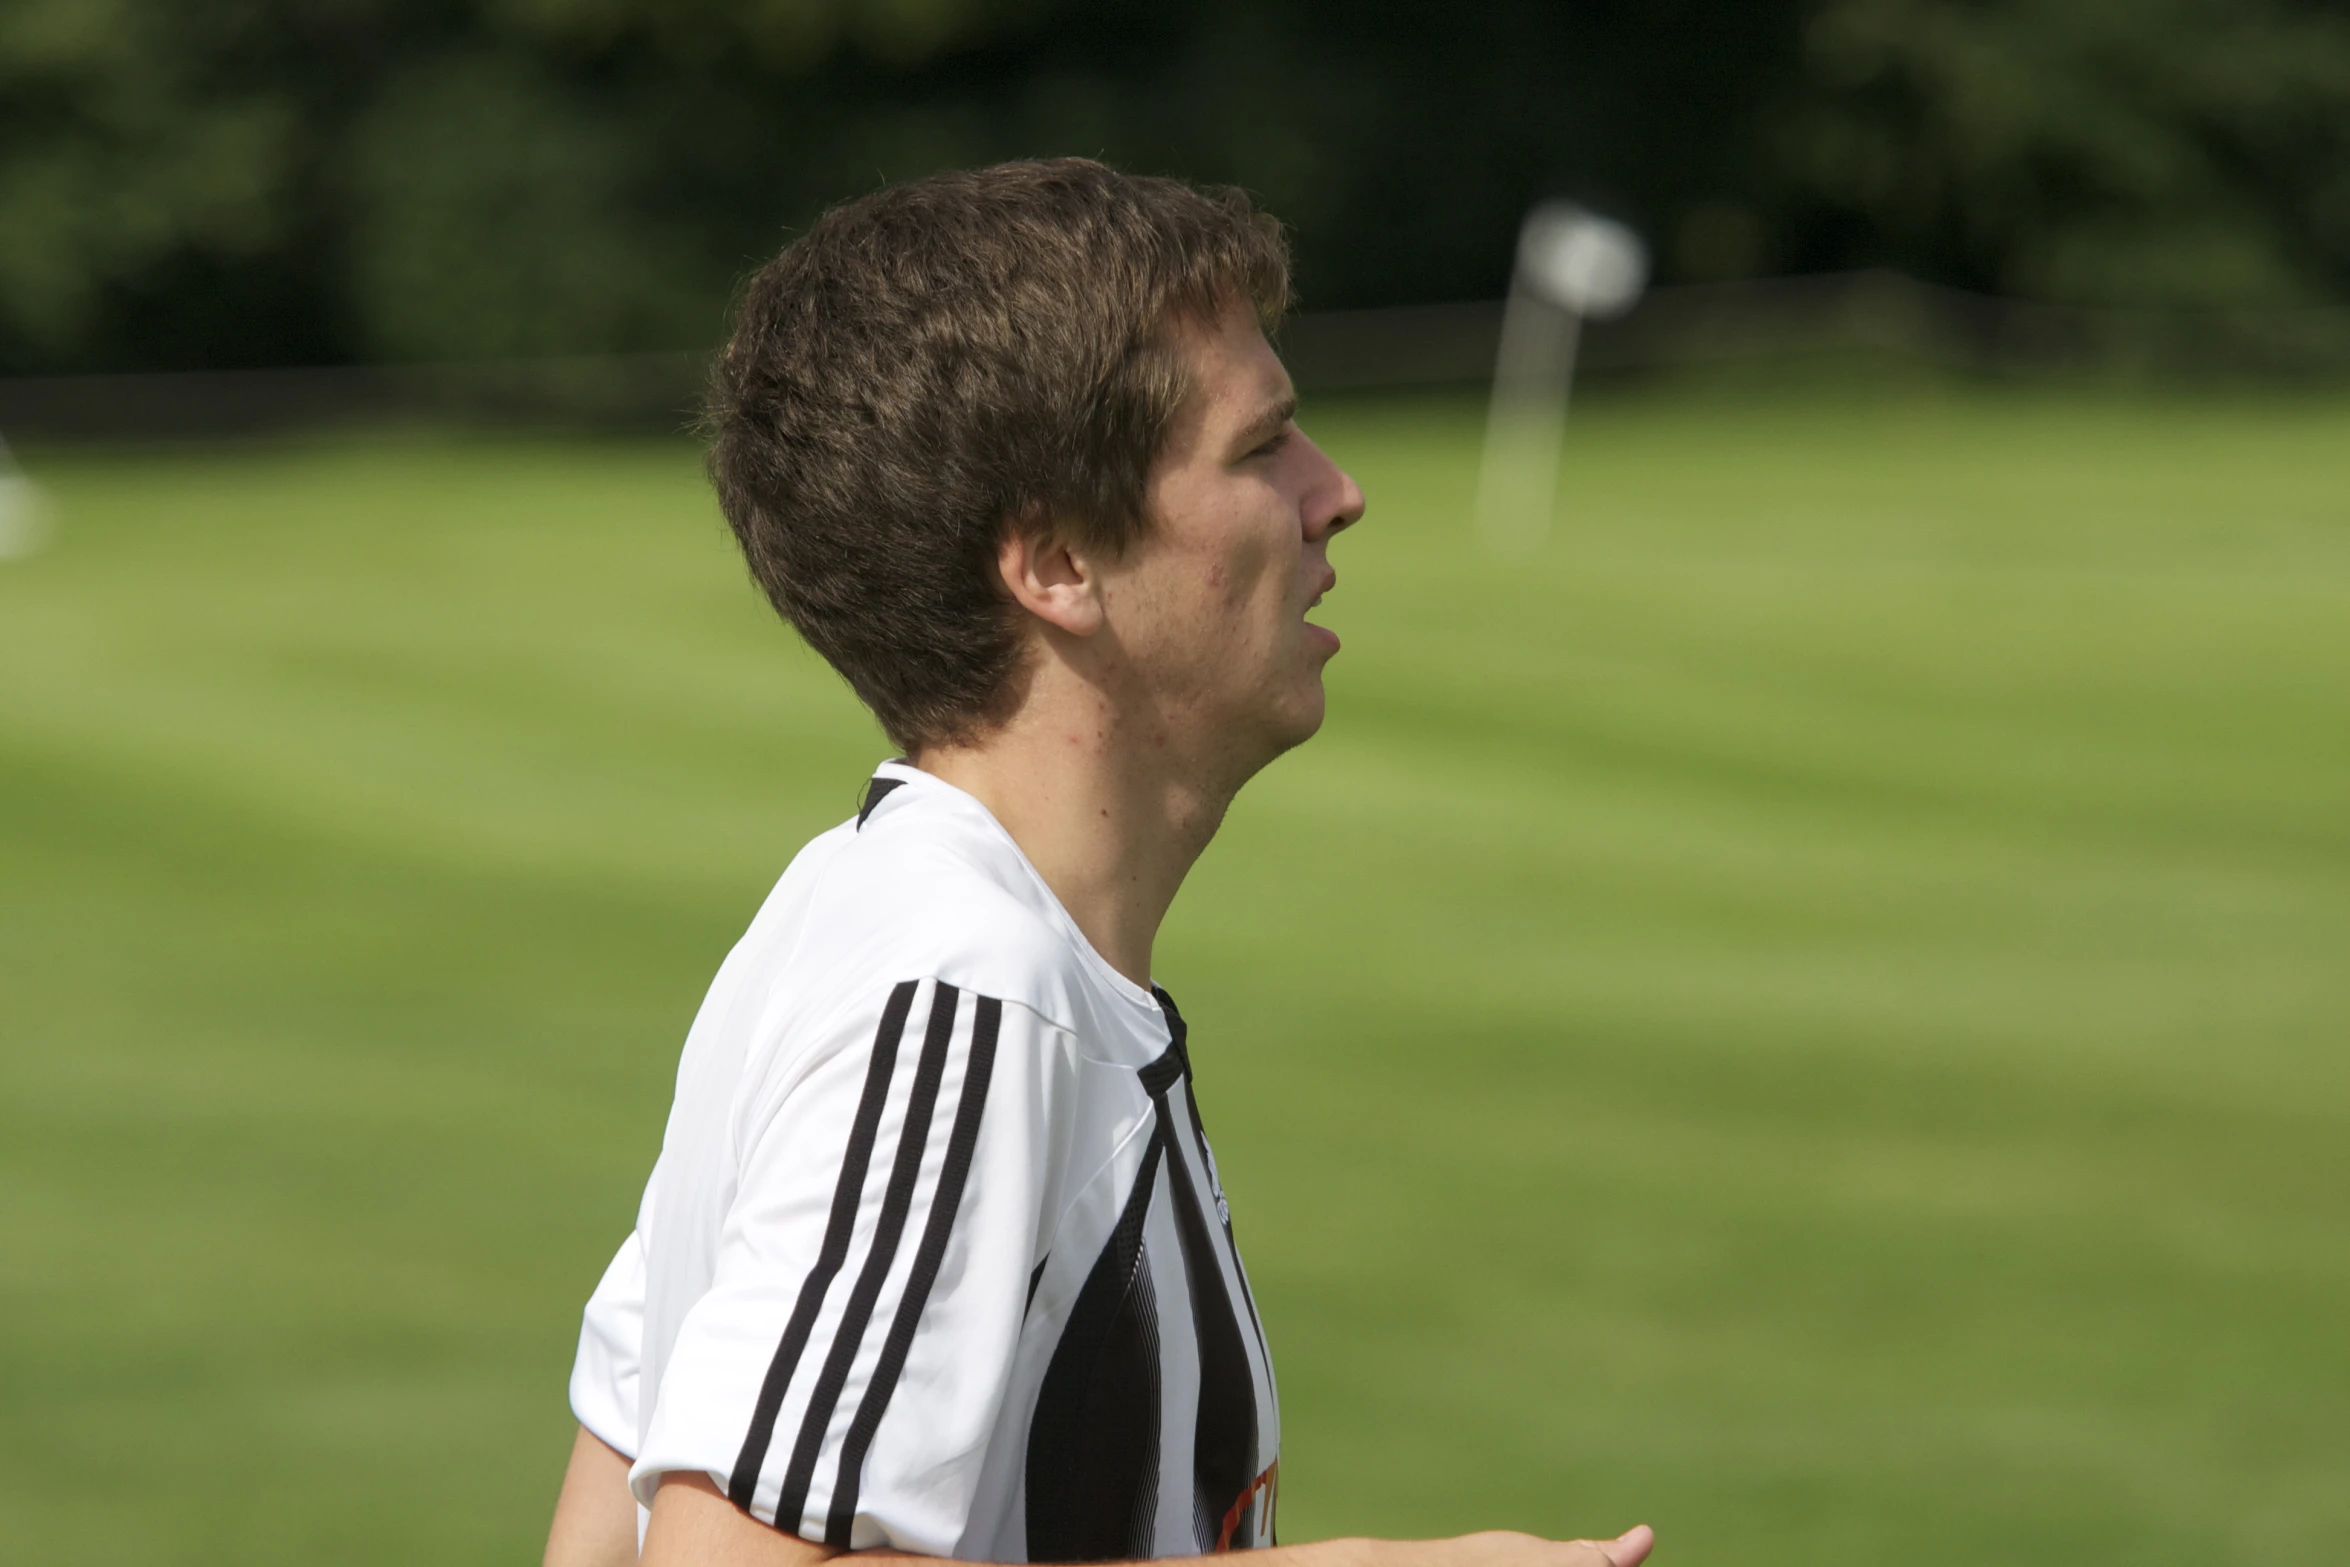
(812,1445)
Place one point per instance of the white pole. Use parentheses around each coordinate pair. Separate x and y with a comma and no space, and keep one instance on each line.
(1517,482)
(24,521)
(1571,266)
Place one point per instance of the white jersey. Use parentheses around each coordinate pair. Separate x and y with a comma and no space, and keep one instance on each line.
(934,1256)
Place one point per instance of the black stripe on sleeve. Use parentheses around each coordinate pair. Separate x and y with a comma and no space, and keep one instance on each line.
(907,1168)
(961,1144)
(744,1483)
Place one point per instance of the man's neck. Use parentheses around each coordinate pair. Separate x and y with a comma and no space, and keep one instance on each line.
(1109,817)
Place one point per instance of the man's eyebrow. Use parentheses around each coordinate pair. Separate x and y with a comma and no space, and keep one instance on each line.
(1268,423)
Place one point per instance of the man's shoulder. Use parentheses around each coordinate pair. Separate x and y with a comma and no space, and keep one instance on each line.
(897,904)
(912,894)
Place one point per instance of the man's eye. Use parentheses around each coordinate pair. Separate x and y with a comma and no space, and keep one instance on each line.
(1271,443)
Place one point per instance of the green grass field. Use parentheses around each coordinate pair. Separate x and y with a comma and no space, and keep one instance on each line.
(1816,1015)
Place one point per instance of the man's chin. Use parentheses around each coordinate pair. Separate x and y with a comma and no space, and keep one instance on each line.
(1278,726)
(1303,720)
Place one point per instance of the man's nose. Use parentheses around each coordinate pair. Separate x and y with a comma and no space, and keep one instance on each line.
(1337,501)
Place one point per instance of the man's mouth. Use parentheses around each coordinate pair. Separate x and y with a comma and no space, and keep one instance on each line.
(1323,633)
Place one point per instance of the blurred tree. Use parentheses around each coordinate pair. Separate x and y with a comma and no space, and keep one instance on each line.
(129,145)
(2142,152)
(494,211)
(254,181)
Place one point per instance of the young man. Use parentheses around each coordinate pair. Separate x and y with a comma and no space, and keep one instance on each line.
(934,1260)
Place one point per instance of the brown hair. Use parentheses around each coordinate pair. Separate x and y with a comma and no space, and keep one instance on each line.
(945,358)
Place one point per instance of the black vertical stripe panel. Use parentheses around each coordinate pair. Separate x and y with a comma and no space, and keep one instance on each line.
(1093,1442)
(1178,1032)
(962,1142)
(1160,1075)
(1225,1437)
(1035,1277)
(1224,1431)
(913,1136)
(1134,1377)
(1207,1161)
(744,1482)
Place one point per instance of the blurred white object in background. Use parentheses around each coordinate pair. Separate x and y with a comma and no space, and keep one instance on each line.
(1572,266)
(24,515)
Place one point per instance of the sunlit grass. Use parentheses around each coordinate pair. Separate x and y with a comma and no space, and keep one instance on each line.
(1816,1013)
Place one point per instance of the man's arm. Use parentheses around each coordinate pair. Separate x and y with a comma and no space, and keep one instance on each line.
(694,1525)
(595,1516)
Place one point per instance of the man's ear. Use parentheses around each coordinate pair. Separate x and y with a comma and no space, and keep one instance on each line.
(1048,578)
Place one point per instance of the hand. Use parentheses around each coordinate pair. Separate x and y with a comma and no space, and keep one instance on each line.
(693,1522)
(1500,1548)
(1628,1549)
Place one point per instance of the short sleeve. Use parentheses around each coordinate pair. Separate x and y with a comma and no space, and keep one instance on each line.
(611,1346)
(844,1373)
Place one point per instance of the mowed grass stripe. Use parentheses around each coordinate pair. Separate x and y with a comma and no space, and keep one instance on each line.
(1811,1012)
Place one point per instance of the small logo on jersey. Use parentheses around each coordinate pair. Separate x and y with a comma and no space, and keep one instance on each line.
(1269,1483)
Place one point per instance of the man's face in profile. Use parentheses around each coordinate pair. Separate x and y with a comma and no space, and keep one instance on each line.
(1212,599)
